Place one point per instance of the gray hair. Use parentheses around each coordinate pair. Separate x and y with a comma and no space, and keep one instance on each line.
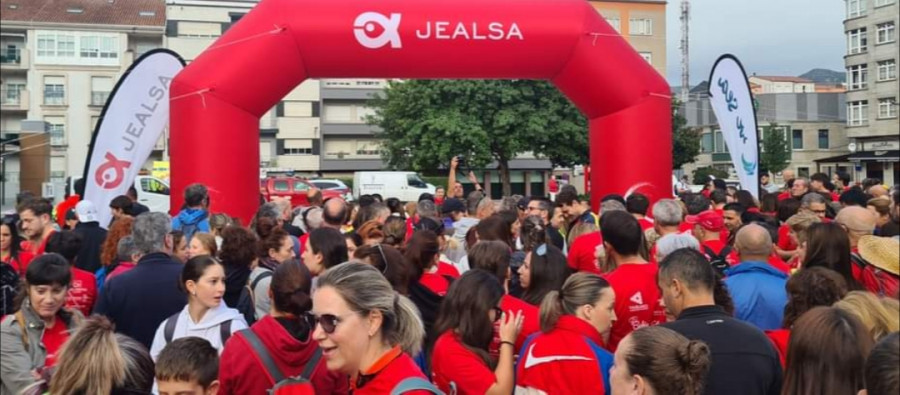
(149,232)
(484,204)
(667,212)
(365,290)
(195,194)
(269,210)
(314,219)
(675,241)
(125,249)
(811,198)
(426,208)
(612,205)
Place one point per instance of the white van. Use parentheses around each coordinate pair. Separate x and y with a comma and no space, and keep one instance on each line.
(403,185)
(151,192)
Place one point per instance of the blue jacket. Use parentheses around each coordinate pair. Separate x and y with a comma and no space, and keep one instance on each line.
(138,300)
(197,219)
(758,292)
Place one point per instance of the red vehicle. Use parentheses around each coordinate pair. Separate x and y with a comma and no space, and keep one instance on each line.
(290,187)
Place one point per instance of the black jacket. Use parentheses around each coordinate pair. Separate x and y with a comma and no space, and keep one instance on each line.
(138,300)
(92,238)
(744,361)
(236,277)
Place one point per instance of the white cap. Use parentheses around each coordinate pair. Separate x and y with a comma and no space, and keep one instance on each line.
(87,212)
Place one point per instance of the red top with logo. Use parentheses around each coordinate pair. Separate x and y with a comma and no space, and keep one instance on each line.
(457,369)
(561,361)
(36,250)
(581,253)
(530,322)
(53,340)
(82,292)
(389,370)
(637,300)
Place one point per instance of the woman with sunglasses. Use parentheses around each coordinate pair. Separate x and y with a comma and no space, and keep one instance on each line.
(285,332)
(368,331)
(461,363)
(567,358)
(545,270)
(206,315)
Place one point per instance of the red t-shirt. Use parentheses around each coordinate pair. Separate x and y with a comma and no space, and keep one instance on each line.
(645,223)
(36,249)
(456,369)
(389,371)
(53,341)
(20,264)
(445,268)
(82,292)
(530,323)
(780,338)
(637,300)
(581,253)
(784,239)
(435,283)
(779,264)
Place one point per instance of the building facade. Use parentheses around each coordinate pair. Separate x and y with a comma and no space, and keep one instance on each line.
(872,89)
(642,23)
(59,65)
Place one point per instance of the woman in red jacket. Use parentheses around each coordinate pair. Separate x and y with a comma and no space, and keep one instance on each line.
(368,331)
(460,360)
(285,333)
(567,357)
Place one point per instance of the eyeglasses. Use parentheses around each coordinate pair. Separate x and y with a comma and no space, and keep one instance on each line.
(498,313)
(541,250)
(328,322)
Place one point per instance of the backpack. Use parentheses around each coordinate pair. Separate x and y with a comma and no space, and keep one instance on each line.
(169,329)
(875,280)
(246,304)
(296,385)
(415,384)
(9,288)
(718,261)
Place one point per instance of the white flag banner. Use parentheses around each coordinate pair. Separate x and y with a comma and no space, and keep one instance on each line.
(132,120)
(729,93)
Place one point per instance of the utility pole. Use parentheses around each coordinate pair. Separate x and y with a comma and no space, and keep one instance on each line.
(685,64)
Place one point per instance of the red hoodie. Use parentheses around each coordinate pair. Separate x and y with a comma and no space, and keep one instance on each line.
(241,372)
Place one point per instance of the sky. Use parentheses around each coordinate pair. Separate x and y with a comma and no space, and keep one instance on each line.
(769,37)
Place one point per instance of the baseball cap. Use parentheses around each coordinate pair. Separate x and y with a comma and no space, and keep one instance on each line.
(426,196)
(86,211)
(426,223)
(451,205)
(708,219)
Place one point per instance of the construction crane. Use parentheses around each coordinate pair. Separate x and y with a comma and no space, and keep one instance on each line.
(685,64)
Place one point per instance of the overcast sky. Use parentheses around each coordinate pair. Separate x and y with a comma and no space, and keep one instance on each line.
(770,37)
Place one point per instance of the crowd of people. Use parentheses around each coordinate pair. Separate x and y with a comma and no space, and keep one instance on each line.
(715,292)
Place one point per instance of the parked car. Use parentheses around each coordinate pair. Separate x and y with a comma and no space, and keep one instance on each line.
(403,185)
(294,188)
(151,192)
(332,184)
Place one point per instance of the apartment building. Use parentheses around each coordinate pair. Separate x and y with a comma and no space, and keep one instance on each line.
(642,23)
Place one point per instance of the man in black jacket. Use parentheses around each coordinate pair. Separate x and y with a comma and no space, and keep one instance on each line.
(92,236)
(138,300)
(744,361)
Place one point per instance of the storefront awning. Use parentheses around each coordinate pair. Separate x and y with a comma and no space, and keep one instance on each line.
(834,159)
(878,156)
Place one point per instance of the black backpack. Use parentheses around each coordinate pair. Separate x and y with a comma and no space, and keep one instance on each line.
(246,304)
(718,261)
(9,287)
(169,329)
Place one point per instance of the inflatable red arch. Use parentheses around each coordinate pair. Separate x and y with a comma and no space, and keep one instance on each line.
(217,100)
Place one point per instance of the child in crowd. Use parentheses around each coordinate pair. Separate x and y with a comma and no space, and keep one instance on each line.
(189,365)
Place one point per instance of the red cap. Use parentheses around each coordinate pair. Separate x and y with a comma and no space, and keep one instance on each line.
(708,219)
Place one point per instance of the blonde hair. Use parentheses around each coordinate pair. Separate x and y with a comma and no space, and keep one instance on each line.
(579,289)
(880,315)
(580,229)
(800,222)
(208,241)
(96,360)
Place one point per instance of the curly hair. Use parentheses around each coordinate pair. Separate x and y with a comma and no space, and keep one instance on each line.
(119,229)
(237,246)
(811,287)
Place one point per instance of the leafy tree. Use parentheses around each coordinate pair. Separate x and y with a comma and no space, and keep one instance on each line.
(424,123)
(701,174)
(685,140)
(776,153)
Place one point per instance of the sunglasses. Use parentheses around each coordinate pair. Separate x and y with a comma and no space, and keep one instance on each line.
(328,322)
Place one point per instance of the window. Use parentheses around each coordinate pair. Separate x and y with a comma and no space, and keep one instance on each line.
(109,48)
(280,186)
(887,108)
(856,8)
(857,76)
(884,33)
(56,45)
(858,113)
(887,70)
(856,41)
(640,27)
(614,22)
(65,45)
(12,94)
(797,135)
(803,172)
(90,47)
(300,186)
(414,181)
(720,142)
(879,3)
(46,45)
(823,139)
(647,56)
(100,89)
(199,29)
(54,91)
(298,151)
(153,185)
(706,143)
(57,129)
(367,148)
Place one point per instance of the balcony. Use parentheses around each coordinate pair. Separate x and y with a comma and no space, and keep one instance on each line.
(99,98)
(12,58)
(13,100)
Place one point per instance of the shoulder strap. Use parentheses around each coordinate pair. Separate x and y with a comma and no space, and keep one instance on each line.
(709,251)
(260,350)
(858,260)
(225,331)
(725,252)
(264,275)
(414,384)
(169,329)
(312,363)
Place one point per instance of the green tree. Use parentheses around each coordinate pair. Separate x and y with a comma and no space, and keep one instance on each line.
(701,174)
(776,152)
(685,140)
(426,122)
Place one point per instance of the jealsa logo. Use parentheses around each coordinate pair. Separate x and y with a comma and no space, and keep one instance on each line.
(366,24)
(112,172)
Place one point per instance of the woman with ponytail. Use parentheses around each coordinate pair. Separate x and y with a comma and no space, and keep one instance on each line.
(286,334)
(567,358)
(657,360)
(97,360)
(368,331)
